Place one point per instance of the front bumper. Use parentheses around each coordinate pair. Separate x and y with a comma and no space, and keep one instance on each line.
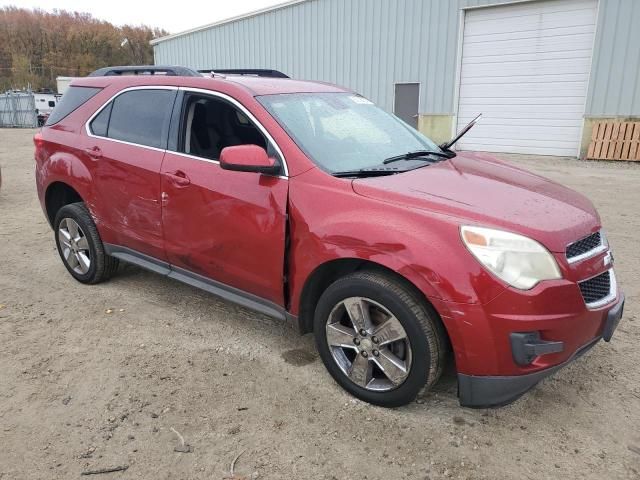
(476,391)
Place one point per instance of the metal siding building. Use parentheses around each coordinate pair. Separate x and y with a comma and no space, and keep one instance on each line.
(371,46)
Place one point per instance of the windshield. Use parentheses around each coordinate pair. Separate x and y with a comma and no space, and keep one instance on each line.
(343,131)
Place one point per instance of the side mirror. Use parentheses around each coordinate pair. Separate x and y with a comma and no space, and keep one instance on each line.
(248,158)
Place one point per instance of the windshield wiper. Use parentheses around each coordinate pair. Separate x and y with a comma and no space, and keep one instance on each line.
(415,155)
(368,172)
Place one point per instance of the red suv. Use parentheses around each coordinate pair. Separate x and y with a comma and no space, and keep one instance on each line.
(305,201)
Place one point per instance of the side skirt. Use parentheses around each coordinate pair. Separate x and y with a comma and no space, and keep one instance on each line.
(221,290)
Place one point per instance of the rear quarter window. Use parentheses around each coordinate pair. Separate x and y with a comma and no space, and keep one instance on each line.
(100,124)
(73,98)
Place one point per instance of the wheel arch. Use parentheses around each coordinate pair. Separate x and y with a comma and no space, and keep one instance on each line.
(58,195)
(330,271)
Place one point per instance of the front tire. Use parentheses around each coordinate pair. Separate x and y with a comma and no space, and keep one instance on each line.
(378,339)
(80,246)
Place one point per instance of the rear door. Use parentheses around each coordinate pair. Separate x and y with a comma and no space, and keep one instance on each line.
(126,144)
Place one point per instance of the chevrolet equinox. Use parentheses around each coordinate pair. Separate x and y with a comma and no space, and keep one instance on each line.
(304,201)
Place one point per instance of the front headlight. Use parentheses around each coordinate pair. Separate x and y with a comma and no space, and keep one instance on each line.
(519,261)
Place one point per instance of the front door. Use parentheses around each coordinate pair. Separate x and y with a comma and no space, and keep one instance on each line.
(407,102)
(226,226)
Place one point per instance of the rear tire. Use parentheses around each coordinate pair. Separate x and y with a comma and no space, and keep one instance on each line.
(369,365)
(80,246)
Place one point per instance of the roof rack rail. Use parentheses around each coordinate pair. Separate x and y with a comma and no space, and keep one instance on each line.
(256,72)
(145,70)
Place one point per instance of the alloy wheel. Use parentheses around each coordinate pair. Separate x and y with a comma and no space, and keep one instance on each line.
(74,246)
(369,344)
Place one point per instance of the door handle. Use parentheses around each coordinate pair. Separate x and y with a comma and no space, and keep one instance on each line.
(94,152)
(179,178)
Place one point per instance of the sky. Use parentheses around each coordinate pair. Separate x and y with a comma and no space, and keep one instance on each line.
(168,14)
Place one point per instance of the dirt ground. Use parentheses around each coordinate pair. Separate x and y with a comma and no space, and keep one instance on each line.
(97,377)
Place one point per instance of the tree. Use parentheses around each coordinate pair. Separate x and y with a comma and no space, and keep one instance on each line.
(38,46)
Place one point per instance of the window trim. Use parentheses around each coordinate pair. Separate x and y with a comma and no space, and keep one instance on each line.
(202,91)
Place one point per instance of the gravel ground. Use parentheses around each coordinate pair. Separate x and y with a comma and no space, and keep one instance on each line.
(97,377)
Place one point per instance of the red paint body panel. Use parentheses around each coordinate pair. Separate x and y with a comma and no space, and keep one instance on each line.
(330,222)
(228,226)
(231,226)
(491,193)
(127,194)
(481,332)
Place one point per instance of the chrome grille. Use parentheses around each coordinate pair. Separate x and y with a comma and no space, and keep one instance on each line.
(597,289)
(584,247)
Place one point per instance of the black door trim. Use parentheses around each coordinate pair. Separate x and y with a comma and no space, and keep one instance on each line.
(140,259)
(235,295)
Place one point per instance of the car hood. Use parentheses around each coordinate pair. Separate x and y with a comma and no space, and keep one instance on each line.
(482,190)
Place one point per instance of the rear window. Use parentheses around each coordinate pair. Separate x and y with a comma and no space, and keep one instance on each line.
(73,98)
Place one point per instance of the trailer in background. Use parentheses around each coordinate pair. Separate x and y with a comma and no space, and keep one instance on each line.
(45,103)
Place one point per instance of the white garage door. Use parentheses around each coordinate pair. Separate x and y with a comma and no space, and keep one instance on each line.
(526,68)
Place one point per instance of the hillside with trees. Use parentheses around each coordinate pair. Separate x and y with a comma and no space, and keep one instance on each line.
(38,46)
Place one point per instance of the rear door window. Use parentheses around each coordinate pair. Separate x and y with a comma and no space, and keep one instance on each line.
(141,117)
(73,98)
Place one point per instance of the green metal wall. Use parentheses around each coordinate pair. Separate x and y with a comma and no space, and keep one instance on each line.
(368,45)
